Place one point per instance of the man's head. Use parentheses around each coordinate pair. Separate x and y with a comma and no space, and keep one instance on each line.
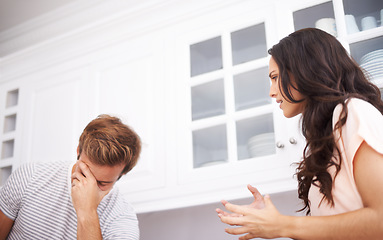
(106,141)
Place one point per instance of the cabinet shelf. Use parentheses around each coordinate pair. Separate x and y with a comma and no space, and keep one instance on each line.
(7,162)
(365,35)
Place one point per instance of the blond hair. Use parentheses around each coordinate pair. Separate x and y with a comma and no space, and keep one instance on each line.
(107,141)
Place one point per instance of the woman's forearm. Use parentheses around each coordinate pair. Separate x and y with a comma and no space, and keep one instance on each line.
(361,224)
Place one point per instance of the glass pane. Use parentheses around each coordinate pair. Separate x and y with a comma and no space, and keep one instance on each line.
(206,56)
(4,174)
(251,89)
(7,149)
(10,123)
(209,146)
(249,44)
(320,16)
(255,137)
(12,98)
(369,54)
(208,100)
(363,15)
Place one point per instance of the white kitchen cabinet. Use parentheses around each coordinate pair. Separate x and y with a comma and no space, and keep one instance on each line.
(230,131)
(190,78)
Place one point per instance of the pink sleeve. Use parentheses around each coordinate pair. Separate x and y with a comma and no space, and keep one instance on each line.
(364,123)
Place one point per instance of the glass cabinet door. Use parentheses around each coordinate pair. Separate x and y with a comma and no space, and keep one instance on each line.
(366,48)
(320,16)
(362,15)
(208,99)
(219,135)
(205,56)
(369,54)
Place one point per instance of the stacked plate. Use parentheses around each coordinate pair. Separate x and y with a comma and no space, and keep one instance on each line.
(372,62)
(261,145)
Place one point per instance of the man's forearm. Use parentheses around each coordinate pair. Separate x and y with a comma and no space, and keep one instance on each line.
(88,227)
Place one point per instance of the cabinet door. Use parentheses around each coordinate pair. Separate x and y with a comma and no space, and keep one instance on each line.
(122,80)
(357,25)
(56,105)
(230,131)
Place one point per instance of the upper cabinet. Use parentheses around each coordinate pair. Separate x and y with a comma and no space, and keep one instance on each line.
(357,24)
(229,131)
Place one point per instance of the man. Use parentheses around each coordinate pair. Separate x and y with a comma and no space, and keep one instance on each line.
(69,201)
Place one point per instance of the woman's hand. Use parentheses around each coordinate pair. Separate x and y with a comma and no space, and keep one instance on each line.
(258,202)
(259,219)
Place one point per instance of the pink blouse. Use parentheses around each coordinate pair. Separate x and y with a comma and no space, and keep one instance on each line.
(364,123)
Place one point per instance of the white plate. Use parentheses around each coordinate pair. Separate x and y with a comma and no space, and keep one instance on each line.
(372,56)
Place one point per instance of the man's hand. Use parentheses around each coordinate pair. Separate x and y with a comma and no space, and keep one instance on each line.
(86,195)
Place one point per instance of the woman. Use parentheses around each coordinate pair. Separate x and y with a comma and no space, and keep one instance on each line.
(340,178)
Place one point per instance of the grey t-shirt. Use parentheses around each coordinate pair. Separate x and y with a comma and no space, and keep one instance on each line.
(37,197)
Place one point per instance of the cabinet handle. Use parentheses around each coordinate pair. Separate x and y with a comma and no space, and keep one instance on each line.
(280,145)
(293,140)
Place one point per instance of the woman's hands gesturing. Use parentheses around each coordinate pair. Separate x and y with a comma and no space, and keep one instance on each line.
(258,219)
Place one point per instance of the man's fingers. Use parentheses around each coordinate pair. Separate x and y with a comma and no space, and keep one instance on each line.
(85,170)
(77,176)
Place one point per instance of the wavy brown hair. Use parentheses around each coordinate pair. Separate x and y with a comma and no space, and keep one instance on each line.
(325,74)
(107,141)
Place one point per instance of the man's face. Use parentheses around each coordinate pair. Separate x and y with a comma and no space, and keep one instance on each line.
(105,176)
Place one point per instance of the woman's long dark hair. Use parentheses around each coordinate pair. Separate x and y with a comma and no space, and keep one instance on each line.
(324,73)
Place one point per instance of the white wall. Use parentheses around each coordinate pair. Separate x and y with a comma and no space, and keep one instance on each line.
(202,222)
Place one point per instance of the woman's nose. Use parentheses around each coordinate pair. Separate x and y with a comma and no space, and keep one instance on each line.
(272,92)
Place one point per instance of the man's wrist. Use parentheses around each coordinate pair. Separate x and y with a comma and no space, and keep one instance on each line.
(87,215)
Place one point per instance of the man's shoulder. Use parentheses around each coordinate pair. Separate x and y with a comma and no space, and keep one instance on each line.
(118,203)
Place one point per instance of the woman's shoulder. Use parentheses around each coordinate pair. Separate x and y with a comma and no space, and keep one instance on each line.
(357,106)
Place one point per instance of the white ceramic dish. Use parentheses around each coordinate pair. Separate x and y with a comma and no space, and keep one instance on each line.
(371,56)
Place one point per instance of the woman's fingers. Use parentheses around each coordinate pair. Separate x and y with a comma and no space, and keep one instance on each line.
(237,231)
(255,192)
(223,213)
(237,209)
(233,221)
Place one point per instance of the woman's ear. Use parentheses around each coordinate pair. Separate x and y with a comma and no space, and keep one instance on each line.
(78,153)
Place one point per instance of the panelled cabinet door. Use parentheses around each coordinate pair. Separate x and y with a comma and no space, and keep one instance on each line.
(122,80)
(230,131)
(54,111)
